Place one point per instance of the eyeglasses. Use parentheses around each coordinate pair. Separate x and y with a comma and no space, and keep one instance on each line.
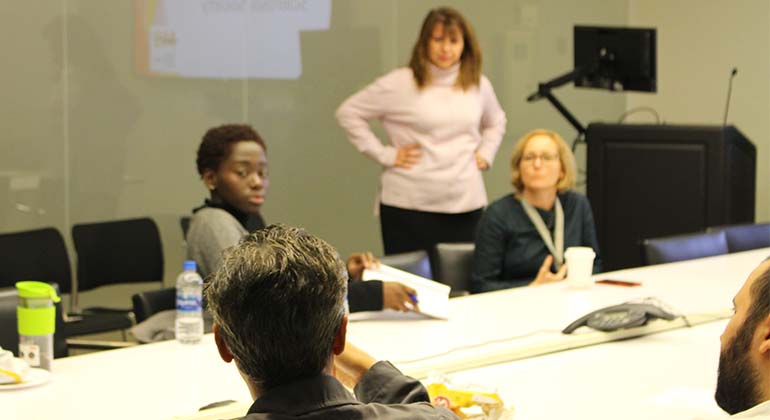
(545,158)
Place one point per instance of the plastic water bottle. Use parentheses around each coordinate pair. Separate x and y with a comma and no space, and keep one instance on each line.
(189,314)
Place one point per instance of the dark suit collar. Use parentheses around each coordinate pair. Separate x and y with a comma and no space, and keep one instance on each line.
(304,396)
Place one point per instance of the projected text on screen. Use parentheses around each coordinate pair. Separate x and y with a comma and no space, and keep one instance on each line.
(225,39)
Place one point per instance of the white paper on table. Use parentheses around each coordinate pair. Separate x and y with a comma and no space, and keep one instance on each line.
(432,296)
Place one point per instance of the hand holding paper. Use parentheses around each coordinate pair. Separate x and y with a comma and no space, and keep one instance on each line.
(399,297)
(432,296)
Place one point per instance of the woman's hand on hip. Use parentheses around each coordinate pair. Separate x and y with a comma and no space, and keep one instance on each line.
(407,156)
(481,163)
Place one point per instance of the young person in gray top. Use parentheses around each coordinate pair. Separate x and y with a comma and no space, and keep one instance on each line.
(278,301)
(232,162)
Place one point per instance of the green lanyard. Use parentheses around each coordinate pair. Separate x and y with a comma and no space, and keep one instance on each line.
(557,250)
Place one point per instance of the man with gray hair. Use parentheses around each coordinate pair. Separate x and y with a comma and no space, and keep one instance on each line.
(743,382)
(278,302)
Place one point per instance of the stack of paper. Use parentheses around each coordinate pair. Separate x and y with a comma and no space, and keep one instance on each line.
(433,297)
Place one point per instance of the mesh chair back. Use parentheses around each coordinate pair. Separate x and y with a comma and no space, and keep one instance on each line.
(35,255)
(683,247)
(151,302)
(745,237)
(415,262)
(454,262)
(121,251)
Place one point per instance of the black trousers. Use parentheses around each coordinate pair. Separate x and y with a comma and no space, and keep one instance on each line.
(411,230)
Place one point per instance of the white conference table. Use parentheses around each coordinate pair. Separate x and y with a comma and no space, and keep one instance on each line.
(152,381)
(670,375)
(531,318)
(665,373)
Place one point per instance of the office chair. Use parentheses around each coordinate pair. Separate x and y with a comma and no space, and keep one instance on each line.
(150,302)
(415,262)
(38,254)
(41,255)
(683,247)
(117,252)
(745,237)
(454,263)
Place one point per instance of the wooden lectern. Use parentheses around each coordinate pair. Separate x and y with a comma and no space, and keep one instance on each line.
(647,181)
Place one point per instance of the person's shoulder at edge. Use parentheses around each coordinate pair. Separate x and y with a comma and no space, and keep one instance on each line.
(572,198)
(485,83)
(398,77)
(503,212)
(404,72)
(506,198)
(568,198)
(210,213)
(504,203)
(209,219)
(380,94)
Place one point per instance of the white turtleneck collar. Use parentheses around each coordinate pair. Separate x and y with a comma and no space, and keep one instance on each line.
(444,77)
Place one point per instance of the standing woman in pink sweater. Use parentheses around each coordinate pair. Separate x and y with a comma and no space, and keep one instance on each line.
(444,125)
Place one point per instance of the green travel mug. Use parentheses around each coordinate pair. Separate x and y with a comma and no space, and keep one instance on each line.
(36,313)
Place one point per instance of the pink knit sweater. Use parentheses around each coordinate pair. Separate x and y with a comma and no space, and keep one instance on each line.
(449,124)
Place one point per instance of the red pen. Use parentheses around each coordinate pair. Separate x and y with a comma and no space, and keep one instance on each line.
(624,283)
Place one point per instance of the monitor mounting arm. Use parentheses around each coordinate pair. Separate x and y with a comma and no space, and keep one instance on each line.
(544,91)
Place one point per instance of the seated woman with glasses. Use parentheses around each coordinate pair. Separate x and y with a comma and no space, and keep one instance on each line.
(522,237)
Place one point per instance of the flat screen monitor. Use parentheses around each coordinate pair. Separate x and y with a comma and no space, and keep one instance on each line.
(616,59)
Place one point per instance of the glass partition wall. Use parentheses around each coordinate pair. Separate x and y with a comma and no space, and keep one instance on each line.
(106,102)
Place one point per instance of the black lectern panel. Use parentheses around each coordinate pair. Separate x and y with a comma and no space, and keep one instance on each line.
(646,181)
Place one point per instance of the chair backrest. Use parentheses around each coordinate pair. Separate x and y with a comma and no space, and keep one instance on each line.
(415,262)
(184,223)
(120,251)
(683,247)
(746,236)
(151,302)
(454,263)
(9,335)
(35,255)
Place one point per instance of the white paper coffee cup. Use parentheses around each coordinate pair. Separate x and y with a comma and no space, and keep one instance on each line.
(580,265)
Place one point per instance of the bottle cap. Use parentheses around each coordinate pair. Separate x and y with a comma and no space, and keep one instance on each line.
(189,265)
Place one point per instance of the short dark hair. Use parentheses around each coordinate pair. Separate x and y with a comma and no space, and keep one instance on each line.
(216,144)
(760,300)
(278,299)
